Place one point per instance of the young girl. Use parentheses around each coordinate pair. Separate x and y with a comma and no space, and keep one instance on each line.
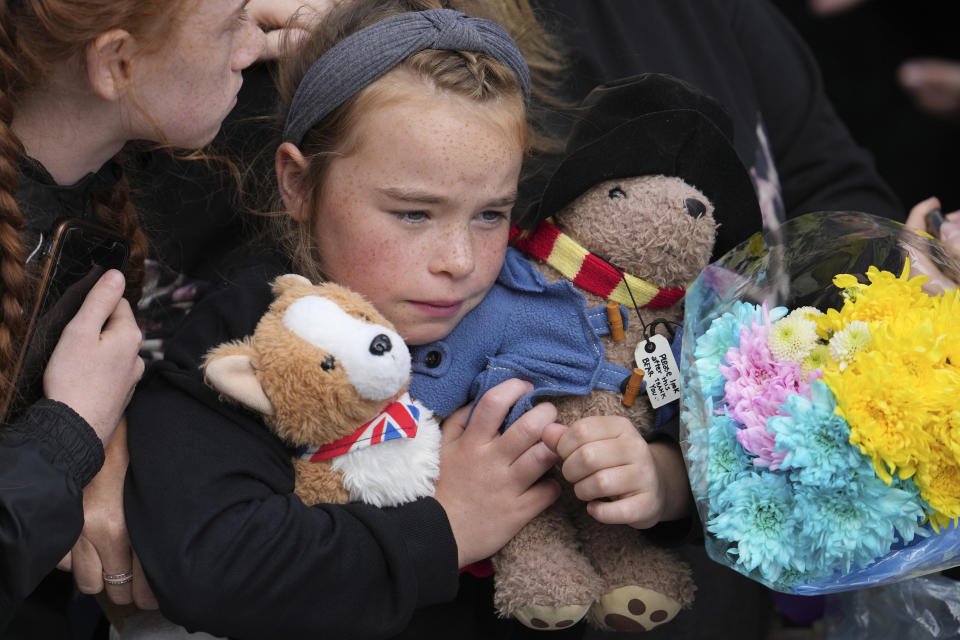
(77,81)
(209,502)
(404,138)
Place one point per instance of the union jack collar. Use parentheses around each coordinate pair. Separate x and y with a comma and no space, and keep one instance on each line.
(546,242)
(398,420)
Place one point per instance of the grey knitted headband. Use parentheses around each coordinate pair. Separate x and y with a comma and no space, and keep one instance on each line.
(362,57)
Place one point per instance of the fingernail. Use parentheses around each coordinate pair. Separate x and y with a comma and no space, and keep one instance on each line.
(114,278)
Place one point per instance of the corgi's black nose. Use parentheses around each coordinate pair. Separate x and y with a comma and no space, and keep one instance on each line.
(380,345)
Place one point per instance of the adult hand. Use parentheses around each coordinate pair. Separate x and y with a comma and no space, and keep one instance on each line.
(103,547)
(623,479)
(286,21)
(949,236)
(933,84)
(490,483)
(95,366)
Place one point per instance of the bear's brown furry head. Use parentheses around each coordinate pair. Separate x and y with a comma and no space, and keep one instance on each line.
(657,228)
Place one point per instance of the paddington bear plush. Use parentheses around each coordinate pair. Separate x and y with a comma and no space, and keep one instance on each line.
(329,375)
(630,217)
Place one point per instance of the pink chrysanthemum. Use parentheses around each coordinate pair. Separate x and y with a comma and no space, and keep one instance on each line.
(757,384)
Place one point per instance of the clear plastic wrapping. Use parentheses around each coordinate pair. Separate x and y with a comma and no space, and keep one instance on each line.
(821,412)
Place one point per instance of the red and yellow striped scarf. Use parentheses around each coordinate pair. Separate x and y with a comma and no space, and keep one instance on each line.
(546,242)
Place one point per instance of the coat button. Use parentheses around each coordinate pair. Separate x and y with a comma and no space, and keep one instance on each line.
(433,359)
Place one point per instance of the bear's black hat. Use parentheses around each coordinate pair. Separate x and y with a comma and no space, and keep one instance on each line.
(654,124)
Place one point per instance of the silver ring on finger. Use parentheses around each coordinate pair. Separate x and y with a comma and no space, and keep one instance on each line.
(118,578)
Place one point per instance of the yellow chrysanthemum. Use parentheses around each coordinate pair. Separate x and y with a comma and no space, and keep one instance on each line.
(938,479)
(829,323)
(888,409)
(946,323)
(949,432)
(913,337)
(884,298)
(900,392)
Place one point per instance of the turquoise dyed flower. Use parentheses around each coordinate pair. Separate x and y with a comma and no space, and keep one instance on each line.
(728,460)
(852,526)
(815,439)
(760,520)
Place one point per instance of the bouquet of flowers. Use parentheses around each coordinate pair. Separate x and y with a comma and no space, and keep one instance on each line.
(821,408)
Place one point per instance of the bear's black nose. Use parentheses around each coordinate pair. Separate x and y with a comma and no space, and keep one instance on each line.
(380,345)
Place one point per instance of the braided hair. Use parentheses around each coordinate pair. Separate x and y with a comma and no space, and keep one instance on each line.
(35,35)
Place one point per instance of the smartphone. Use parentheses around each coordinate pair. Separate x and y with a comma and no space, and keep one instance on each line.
(77,254)
(934,222)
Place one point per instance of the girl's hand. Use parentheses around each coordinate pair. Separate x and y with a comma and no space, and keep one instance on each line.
(489,483)
(286,21)
(949,236)
(623,479)
(95,366)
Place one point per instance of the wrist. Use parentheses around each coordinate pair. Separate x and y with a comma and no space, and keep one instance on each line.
(676,499)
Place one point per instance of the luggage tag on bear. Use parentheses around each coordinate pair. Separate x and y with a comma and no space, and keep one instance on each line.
(662,374)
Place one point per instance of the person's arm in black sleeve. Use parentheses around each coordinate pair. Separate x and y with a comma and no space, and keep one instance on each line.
(227,546)
(46,458)
(229,549)
(820,165)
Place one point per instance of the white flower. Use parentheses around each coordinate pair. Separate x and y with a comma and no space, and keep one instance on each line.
(806,312)
(792,338)
(849,341)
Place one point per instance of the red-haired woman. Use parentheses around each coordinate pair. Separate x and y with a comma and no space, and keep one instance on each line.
(78,80)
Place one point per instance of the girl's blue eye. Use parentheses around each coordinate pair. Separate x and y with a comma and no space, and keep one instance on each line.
(492,216)
(411,216)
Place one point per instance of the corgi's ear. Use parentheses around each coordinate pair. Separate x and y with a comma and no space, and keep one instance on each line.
(288,281)
(232,374)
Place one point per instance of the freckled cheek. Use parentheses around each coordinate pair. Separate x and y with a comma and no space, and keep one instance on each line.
(490,254)
(365,262)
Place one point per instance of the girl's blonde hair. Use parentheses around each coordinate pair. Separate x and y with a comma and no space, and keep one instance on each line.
(475,76)
(35,36)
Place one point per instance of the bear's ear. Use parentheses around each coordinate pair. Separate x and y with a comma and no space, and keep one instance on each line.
(233,376)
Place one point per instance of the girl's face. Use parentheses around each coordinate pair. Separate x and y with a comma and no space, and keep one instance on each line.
(187,86)
(416,217)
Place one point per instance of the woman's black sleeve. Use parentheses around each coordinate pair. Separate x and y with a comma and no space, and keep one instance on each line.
(46,458)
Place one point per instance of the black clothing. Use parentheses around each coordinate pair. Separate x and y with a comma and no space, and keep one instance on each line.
(42,201)
(49,453)
(46,458)
(744,53)
(859,51)
(211,511)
